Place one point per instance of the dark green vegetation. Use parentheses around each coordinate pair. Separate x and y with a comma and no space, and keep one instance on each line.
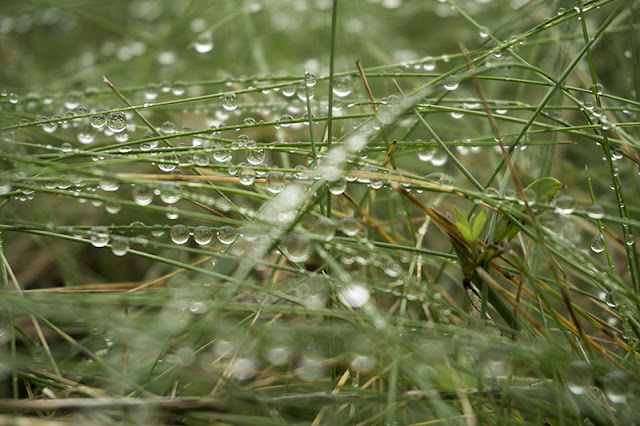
(230,228)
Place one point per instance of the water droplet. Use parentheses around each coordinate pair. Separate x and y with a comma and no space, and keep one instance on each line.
(289,90)
(457,114)
(255,156)
(204,42)
(117,121)
(85,134)
(598,89)
(142,195)
(565,204)
(178,88)
(99,236)
(167,164)
(179,234)
(618,386)
(354,295)
(49,127)
(112,206)
(229,101)
(98,121)
(227,234)
(13,98)
(598,244)
(278,355)
(296,247)
(222,154)
(302,92)
(197,308)
(109,184)
(342,86)
(451,86)
(275,181)
(310,78)
(337,187)
(579,377)
(429,64)
(286,117)
(202,235)
(247,176)
(119,245)
(151,92)
(157,230)
(439,158)
(595,211)
(349,226)
(629,239)
(611,299)
(325,229)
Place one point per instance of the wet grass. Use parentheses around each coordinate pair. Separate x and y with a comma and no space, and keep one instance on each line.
(212,215)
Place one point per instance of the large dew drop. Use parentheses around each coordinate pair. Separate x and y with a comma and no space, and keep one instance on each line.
(117,121)
(598,244)
(342,86)
(230,101)
(179,234)
(296,247)
(202,235)
(354,295)
(119,245)
(204,43)
(276,181)
(99,236)
(227,234)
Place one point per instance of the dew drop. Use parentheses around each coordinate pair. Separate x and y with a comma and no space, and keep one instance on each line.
(119,245)
(112,206)
(597,244)
(230,101)
(337,187)
(597,89)
(349,226)
(629,239)
(595,211)
(117,121)
(579,377)
(108,184)
(227,234)
(565,205)
(451,86)
(99,236)
(303,91)
(354,295)
(310,78)
(98,121)
(289,90)
(179,234)
(276,181)
(247,176)
(202,235)
(296,247)
(142,195)
(439,158)
(178,88)
(204,42)
(151,92)
(618,386)
(325,229)
(342,86)
(157,230)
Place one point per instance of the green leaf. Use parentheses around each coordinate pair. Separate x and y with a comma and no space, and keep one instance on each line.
(463,226)
(477,224)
